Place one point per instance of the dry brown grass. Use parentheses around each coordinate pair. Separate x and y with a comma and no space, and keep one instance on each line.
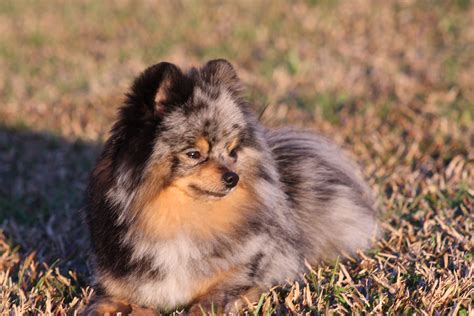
(391,81)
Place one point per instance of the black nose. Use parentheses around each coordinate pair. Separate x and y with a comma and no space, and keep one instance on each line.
(230,179)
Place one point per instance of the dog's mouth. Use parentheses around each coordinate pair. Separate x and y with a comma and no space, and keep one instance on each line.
(204,192)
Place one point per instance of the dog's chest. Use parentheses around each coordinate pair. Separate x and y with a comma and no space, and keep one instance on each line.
(183,266)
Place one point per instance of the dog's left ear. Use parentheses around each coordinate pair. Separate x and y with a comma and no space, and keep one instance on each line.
(160,88)
(221,72)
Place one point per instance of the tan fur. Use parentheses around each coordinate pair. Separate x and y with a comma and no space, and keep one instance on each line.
(108,306)
(233,144)
(203,145)
(220,305)
(207,286)
(207,177)
(174,211)
(162,93)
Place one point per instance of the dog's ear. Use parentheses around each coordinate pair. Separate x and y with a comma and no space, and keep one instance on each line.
(221,72)
(160,87)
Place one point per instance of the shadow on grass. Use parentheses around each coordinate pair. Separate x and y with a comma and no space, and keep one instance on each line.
(42,182)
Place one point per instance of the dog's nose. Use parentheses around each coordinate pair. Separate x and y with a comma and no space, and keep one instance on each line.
(230,179)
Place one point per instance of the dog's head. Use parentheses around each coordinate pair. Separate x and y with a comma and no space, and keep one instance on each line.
(193,131)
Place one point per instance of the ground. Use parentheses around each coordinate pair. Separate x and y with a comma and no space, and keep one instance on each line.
(390,81)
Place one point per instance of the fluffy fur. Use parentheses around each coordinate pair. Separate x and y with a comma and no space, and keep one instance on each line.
(167,231)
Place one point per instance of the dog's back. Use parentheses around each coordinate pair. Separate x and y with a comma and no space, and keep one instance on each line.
(333,205)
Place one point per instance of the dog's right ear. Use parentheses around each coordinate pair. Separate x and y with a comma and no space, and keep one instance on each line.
(159,88)
(220,72)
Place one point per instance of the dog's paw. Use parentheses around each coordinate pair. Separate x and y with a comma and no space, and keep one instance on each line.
(141,311)
(109,307)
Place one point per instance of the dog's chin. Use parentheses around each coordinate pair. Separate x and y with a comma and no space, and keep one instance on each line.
(205,194)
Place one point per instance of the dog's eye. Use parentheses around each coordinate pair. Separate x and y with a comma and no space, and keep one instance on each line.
(233,153)
(194,154)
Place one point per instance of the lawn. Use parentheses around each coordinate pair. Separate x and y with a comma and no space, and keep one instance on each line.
(390,81)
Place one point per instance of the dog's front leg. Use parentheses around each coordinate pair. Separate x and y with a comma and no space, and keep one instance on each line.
(225,300)
(106,305)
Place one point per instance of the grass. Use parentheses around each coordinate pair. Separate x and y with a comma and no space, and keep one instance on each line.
(390,81)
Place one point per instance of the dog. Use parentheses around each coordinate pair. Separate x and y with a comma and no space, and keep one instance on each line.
(194,203)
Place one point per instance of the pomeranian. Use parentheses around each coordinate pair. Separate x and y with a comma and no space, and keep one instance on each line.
(194,203)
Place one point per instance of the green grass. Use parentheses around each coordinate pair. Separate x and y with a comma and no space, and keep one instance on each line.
(390,81)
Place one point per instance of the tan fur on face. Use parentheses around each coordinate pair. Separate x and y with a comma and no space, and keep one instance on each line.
(207,177)
(174,211)
(233,144)
(203,145)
